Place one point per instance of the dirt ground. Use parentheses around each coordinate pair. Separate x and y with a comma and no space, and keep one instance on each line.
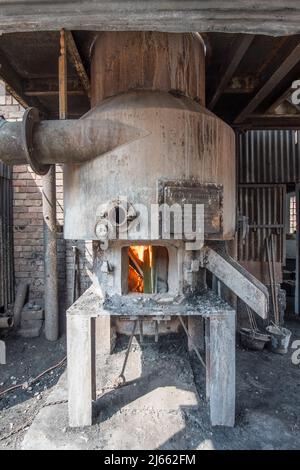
(26,359)
(267,407)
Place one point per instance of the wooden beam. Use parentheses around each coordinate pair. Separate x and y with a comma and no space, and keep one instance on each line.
(53,93)
(50,85)
(282,71)
(279,100)
(77,62)
(12,81)
(242,85)
(14,86)
(278,44)
(239,49)
(62,77)
(272,17)
(266,121)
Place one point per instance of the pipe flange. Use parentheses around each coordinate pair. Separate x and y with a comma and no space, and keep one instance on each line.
(30,118)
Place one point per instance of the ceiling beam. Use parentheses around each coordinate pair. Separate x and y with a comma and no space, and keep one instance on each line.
(246,84)
(14,86)
(12,81)
(239,49)
(272,17)
(53,93)
(50,85)
(267,121)
(287,65)
(283,97)
(77,62)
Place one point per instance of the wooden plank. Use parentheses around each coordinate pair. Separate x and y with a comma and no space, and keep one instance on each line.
(103,336)
(12,80)
(53,93)
(196,332)
(263,121)
(282,71)
(283,97)
(239,50)
(222,369)
(81,370)
(77,62)
(2,353)
(14,86)
(237,279)
(261,17)
(62,77)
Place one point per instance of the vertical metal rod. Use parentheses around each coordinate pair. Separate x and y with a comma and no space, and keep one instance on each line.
(50,256)
(49,213)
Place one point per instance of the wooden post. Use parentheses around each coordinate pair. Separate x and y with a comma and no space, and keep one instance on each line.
(221,369)
(103,336)
(207,356)
(2,353)
(81,369)
(196,332)
(62,74)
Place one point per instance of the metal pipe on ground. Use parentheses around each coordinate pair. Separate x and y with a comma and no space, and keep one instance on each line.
(6,322)
(19,302)
(50,256)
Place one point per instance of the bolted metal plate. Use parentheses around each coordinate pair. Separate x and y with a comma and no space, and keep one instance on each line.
(192,192)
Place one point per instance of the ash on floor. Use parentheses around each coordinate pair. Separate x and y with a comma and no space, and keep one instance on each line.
(163,405)
(26,359)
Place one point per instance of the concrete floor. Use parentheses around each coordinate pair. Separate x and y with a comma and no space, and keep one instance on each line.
(163,405)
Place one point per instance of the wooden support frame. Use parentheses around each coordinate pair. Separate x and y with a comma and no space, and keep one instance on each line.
(267,121)
(81,369)
(278,101)
(220,373)
(240,48)
(62,77)
(267,17)
(287,65)
(82,336)
(14,86)
(2,353)
(76,61)
(12,81)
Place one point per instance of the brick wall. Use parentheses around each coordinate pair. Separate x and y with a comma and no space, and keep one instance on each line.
(28,227)
(28,230)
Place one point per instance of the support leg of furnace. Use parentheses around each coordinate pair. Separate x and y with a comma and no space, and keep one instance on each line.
(2,353)
(81,369)
(196,332)
(220,368)
(104,336)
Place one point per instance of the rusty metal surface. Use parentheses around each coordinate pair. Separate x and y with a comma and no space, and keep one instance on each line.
(190,192)
(264,206)
(269,157)
(181,140)
(149,61)
(6,243)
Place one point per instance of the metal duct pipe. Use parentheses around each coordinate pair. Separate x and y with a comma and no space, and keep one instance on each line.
(66,141)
